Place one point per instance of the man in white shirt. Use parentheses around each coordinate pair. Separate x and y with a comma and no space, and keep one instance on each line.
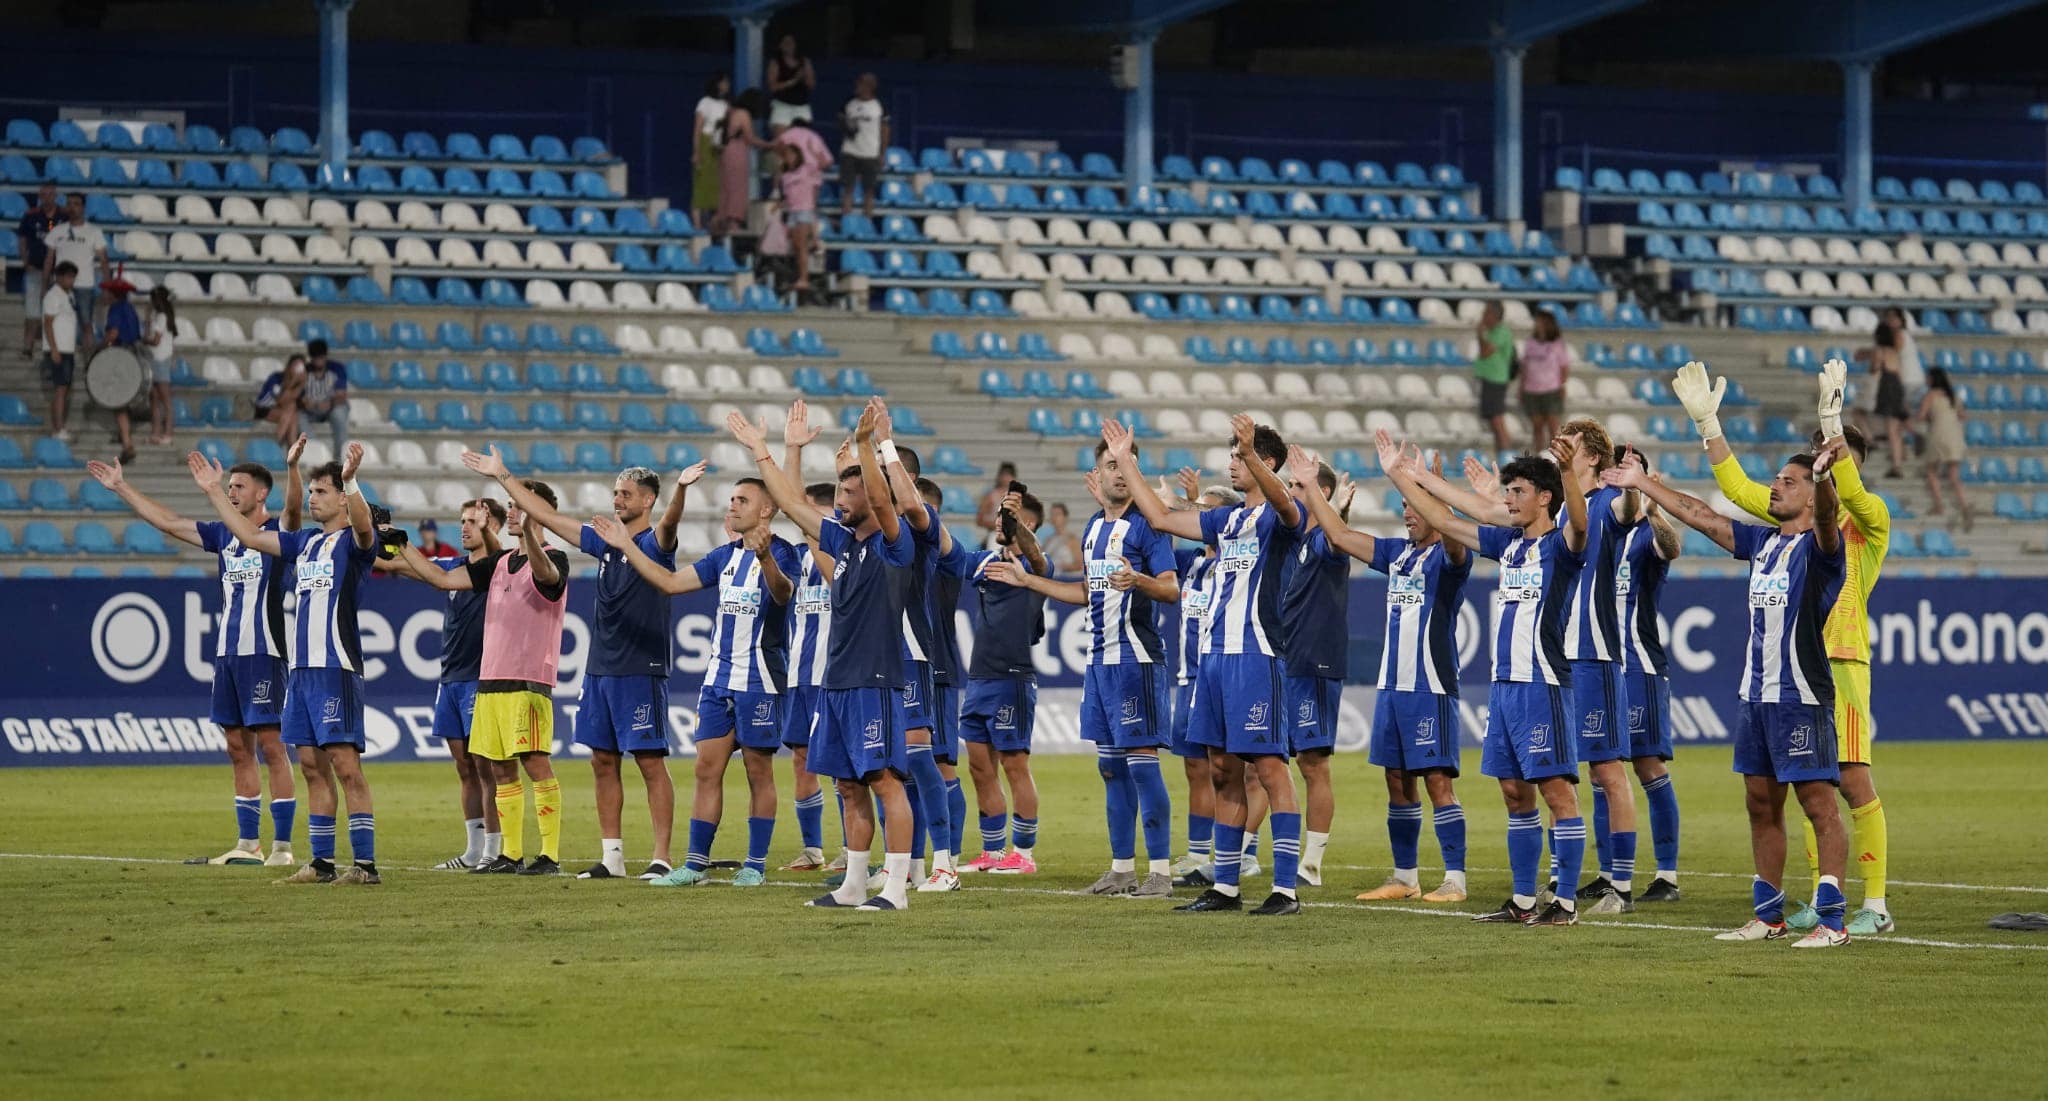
(84,247)
(60,343)
(866,124)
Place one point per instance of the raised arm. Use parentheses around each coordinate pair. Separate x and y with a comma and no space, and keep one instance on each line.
(1482,506)
(797,434)
(294,488)
(1450,525)
(1184,523)
(491,465)
(909,502)
(783,489)
(1564,451)
(672,516)
(1268,479)
(871,478)
(672,582)
(151,512)
(1827,514)
(207,474)
(1302,466)
(762,542)
(359,523)
(546,572)
(1010,573)
(1687,509)
(1026,541)
(422,569)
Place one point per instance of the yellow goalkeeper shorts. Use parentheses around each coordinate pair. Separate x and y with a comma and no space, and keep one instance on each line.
(507,724)
(1854,728)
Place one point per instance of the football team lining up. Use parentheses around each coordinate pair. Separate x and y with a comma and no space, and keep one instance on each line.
(842,649)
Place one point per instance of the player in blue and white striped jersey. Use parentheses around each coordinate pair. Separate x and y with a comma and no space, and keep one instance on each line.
(1415,713)
(1787,735)
(1529,744)
(1129,568)
(249,651)
(1196,566)
(810,629)
(1647,549)
(1238,692)
(323,703)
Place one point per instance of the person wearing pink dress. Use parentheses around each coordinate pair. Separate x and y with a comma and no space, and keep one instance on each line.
(735,161)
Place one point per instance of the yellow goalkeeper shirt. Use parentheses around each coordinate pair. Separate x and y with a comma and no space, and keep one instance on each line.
(1866,533)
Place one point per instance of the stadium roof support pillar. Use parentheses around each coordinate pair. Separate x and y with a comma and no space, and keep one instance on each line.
(1138,115)
(1507,130)
(1856,147)
(749,47)
(334,143)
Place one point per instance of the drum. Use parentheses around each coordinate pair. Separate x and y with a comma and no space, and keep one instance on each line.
(115,378)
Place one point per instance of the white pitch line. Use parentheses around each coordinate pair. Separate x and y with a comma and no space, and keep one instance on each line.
(1741,875)
(1888,938)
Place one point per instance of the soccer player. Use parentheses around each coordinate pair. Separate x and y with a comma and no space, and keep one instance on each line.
(810,625)
(1868,528)
(1647,551)
(249,655)
(1786,737)
(1129,566)
(1415,713)
(947,672)
(858,735)
(1196,569)
(526,596)
(1529,746)
(1000,703)
(1315,606)
(740,704)
(1238,690)
(462,650)
(323,702)
(624,707)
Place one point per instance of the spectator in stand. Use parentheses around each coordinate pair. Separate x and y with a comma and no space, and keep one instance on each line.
(735,161)
(277,401)
(1494,367)
(30,236)
(1062,547)
(430,540)
(324,400)
(989,515)
(1546,364)
(1943,419)
(1912,370)
(124,330)
(85,247)
(160,341)
(791,81)
(60,342)
(1890,406)
(705,168)
(866,125)
(805,157)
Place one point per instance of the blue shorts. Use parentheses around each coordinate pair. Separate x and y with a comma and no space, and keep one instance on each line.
(1237,706)
(1311,705)
(248,690)
(800,703)
(454,706)
(1415,732)
(1528,736)
(623,714)
(1789,742)
(858,733)
(999,712)
(1124,706)
(919,696)
(1649,714)
(754,718)
(1183,710)
(323,707)
(1599,711)
(946,724)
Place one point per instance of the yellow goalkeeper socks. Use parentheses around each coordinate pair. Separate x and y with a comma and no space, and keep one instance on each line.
(1870,849)
(511,801)
(547,808)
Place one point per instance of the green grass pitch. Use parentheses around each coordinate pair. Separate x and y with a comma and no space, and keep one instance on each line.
(134,976)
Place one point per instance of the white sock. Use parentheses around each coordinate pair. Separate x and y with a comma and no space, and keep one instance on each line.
(896,879)
(1312,851)
(494,844)
(1875,904)
(1279,890)
(249,845)
(1670,877)
(1157,867)
(942,860)
(280,846)
(916,868)
(1130,865)
(1410,876)
(1623,885)
(1025,853)
(614,854)
(1229,889)
(853,890)
(473,829)
(1526,902)
(1455,879)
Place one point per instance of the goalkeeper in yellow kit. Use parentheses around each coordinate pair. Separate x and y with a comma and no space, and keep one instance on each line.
(1868,526)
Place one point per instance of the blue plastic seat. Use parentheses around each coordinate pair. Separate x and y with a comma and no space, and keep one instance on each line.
(51,453)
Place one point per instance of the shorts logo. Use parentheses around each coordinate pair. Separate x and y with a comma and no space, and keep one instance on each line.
(1637,719)
(1255,717)
(1802,738)
(1006,717)
(1595,724)
(330,710)
(640,716)
(260,693)
(1539,738)
(1306,713)
(764,710)
(871,738)
(1425,732)
(909,695)
(1129,710)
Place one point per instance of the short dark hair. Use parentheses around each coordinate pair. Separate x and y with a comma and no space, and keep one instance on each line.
(1801,460)
(930,491)
(330,470)
(909,458)
(644,478)
(541,490)
(1853,436)
(1031,504)
(750,481)
(711,86)
(257,471)
(316,348)
(1102,446)
(64,267)
(489,505)
(850,472)
(821,493)
(1268,446)
(1009,468)
(1540,473)
(1326,477)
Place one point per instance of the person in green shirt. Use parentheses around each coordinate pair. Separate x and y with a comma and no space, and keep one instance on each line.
(1496,354)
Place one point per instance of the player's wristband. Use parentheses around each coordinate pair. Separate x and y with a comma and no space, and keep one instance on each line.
(761,458)
(349,488)
(1831,427)
(888,451)
(1827,475)
(1709,428)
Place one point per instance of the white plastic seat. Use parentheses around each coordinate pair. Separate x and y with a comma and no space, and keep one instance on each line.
(1108,234)
(1068,267)
(677,339)
(279,248)
(1149,268)
(1946,254)
(1292,386)
(1922,285)
(500,253)
(460,218)
(226,286)
(1349,273)
(1107,267)
(1332,385)
(2007,321)
(413,214)
(323,212)
(1841,250)
(1863,319)
(671,295)
(1249,386)
(681,380)
(1423,425)
(1118,348)
(628,295)
(1160,348)
(1388,273)
(1827,319)
(1414,389)
(1912,253)
(1166,386)
(1816,284)
(1226,235)
(2028,288)
(764,378)
(983,264)
(1024,231)
(1306,238)
(225,332)
(1454,390)
(143,208)
(632,339)
(414,252)
(503,218)
(1953,285)
(1851,284)
(221,371)
(1768,250)
(1993,287)
(1030,303)
(1981,254)
(1780,281)
(1072,304)
(1436,311)
(1027,266)
(457,252)
(942,229)
(184,287)
(544,294)
(1887,285)
(1076,346)
(590,256)
(234,248)
(186,245)
(1189,269)
(1213,423)
(1207,384)
(1124,385)
(720,378)
(1065,231)
(1576,392)
(2015,255)
(1341,425)
(1187,234)
(981,229)
(1300,424)
(1113,306)
(1804,250)
(1308,272)
(1145,235)
(1467,276)
(586,295)
(194,210)
(448,493)
(594,497)
(1271,272)
(238,210)
(1230,271)
(1175,423)
(1264,236)
(717,340)
(369,250)
(373,214)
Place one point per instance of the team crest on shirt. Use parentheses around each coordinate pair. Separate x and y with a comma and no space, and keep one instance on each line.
(260,693)
(1425,733)
(1130,709)
(330,710)
(1802,739)
(1006,717)
(871,738)
(1539,738)
(1255,717)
